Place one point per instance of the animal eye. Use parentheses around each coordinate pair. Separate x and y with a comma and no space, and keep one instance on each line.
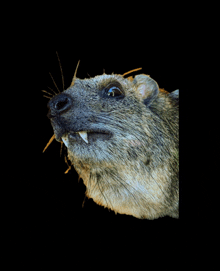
(114,91)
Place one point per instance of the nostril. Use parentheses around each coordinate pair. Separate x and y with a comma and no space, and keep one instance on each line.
(60,105)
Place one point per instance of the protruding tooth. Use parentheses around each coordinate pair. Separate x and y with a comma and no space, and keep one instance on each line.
(84,136)
(65,142)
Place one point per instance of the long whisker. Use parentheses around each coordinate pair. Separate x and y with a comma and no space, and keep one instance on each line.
(84,201)
(131,71)
(50,141)
(74,77)
(46,92)
(61,148)
(60,69)
(54,82)
(47,97)
(69,166)
(52,90)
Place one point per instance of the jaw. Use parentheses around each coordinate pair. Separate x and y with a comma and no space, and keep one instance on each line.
(92,149)
(79,134)
(103,149)
(86,137)
(122,191)
(124,186)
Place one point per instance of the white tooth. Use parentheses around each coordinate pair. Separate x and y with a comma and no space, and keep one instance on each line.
(84,136)
(65,142)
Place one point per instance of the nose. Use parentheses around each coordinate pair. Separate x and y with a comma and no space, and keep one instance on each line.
(59,104)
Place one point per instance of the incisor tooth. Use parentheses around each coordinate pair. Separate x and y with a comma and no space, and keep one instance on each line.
(84,136)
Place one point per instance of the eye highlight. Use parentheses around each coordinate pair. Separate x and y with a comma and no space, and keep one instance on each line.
(114,90)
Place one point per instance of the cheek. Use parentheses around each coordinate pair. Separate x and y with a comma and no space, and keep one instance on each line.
(135,143)
(131,141)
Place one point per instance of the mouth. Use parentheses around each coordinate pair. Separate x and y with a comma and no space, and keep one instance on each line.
(86,137)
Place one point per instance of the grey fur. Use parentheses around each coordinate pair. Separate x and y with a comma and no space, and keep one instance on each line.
(134,169)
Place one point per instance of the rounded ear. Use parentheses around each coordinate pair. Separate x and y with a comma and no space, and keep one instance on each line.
(175,96)
(147,87)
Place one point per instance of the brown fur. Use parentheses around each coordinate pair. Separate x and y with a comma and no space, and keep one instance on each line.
(135,172)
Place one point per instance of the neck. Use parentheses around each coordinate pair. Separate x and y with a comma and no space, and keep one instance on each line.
(127,189)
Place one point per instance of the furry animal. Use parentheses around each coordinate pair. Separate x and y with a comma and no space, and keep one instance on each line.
(122,137)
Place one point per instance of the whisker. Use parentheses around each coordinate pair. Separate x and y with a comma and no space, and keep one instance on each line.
(60,69)
(54,82)
(69,166)
(47,97)
(74,77)
(46,92)
(50,141)
(52,90)
(131,71)
(84,201)
(61,147)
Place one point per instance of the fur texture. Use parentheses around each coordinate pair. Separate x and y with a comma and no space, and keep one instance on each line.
(130,163)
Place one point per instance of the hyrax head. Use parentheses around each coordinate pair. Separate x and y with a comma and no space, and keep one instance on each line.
(118,138)
(95,113)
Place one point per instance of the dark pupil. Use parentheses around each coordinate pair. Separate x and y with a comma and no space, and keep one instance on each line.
(114,91)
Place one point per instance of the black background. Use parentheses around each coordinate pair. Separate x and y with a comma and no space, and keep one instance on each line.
(49,202)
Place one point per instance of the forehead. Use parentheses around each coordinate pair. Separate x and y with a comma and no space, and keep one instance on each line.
(101,81)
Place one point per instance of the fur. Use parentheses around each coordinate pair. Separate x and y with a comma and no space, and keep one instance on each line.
(135,172)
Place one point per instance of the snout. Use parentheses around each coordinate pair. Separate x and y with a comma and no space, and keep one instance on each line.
(59,104)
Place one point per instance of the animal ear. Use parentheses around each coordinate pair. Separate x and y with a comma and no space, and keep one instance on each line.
(175,96)
(147,87)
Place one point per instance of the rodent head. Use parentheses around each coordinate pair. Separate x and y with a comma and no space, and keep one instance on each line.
(122,140)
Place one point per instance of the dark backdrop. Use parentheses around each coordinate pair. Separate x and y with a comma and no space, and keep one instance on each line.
(50,201)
